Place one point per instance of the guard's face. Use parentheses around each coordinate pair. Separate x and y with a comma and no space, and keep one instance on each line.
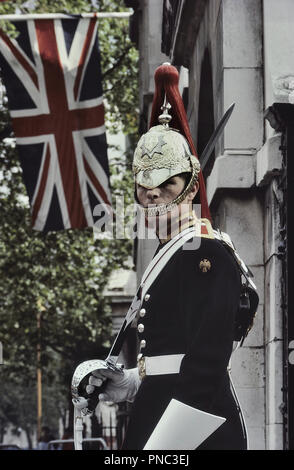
(163,194)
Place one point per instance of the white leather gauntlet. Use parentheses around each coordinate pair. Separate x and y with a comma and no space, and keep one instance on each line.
(120,386)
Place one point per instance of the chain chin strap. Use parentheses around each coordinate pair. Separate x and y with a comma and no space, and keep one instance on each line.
(163,209)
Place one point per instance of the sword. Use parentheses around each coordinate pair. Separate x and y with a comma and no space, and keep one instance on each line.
(85,368)
(215,136)
(84,403)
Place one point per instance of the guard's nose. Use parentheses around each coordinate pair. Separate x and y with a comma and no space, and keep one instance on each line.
(152,194)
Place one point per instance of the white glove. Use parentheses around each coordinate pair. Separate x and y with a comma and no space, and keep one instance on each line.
(121,385)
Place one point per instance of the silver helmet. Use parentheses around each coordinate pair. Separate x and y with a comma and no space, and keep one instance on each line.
(161,153)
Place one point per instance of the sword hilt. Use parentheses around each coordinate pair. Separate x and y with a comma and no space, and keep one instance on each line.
(83,400)
(93,398)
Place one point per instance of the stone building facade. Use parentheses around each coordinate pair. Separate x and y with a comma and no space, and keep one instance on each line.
(238,51)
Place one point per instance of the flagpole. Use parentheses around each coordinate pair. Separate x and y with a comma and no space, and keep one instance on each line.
(54,16)
(41,308)
(39,379)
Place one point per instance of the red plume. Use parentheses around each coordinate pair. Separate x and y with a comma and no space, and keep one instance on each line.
(166,82)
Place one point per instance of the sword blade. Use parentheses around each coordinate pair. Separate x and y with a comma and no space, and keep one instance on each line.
(120,338)
(215,136)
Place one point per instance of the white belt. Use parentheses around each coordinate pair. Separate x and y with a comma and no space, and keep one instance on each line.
(161,365)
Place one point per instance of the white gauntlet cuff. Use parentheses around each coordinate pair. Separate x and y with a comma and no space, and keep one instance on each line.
(134,382)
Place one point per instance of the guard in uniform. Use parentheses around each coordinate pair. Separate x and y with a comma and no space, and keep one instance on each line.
(190,302)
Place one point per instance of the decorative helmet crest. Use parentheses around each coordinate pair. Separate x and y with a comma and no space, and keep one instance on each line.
(166,151)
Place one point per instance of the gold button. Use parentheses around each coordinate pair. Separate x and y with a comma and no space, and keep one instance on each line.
(140,327)
(142,312)
(147,297)
(143,343)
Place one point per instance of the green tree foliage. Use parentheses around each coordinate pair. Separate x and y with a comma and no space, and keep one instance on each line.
(60,275)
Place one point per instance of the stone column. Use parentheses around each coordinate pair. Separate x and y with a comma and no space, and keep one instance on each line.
(278,53)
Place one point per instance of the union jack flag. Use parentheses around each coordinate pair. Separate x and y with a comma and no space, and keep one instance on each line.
(52,76)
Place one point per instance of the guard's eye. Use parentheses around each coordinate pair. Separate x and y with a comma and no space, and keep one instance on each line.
(166,183)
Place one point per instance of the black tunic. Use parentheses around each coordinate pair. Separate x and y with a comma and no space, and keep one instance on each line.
(191,312)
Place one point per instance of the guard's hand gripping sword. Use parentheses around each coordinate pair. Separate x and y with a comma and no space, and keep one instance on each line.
(85,403)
